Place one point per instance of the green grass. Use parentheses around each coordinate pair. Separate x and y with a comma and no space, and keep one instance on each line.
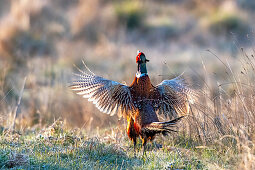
(55,148)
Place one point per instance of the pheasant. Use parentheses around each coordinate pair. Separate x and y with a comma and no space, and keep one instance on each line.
(140,103)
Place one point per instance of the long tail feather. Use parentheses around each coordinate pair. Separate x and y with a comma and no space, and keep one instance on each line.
(171,122)
(162,127)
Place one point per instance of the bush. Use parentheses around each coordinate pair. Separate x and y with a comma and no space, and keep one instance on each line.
(228,23)
(130,13)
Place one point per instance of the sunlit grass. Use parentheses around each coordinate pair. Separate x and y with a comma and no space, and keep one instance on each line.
(218,134)
(56,147)
(57,153)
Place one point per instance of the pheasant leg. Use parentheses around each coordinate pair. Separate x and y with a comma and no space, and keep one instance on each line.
(144,146)
(134,147)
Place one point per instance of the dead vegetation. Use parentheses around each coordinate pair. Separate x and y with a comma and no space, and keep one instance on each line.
(42,40)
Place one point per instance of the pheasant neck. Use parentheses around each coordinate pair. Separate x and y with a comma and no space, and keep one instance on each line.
(142,68)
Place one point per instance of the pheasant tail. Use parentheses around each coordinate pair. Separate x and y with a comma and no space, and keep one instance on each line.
(162,127)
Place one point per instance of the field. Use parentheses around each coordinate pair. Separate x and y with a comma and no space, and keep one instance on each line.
(58,148)
(45,125)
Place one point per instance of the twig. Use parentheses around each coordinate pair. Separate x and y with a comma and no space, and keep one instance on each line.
(12,127)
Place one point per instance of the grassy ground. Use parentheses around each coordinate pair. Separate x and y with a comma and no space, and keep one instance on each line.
(41,40)
(59,148)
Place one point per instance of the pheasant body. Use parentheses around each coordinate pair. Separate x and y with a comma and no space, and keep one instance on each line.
(140,103)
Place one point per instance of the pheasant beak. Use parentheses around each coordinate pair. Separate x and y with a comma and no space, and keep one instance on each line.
(147,60)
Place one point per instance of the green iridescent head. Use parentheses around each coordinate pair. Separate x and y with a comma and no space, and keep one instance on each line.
(141,61)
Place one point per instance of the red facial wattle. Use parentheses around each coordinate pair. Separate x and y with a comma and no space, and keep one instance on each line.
(138,57)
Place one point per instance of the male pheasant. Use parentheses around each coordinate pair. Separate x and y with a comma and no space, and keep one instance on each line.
(140,102)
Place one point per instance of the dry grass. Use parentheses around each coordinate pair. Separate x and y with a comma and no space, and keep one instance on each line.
(42,41)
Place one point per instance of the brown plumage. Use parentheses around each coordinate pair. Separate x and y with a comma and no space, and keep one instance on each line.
(140,102)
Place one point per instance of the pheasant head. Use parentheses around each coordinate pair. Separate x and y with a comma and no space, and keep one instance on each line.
(141,61)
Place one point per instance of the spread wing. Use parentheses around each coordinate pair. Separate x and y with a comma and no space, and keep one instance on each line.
(109,96)
(172,97)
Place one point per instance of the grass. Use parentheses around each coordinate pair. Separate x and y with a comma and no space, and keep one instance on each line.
(218,133)
(58,148)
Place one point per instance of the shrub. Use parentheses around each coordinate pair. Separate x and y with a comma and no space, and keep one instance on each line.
(228,23)
(130,13)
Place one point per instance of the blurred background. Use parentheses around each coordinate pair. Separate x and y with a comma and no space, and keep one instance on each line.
(40,40)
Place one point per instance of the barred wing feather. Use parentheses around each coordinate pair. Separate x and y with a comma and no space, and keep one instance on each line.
(109,96)
(172,97)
